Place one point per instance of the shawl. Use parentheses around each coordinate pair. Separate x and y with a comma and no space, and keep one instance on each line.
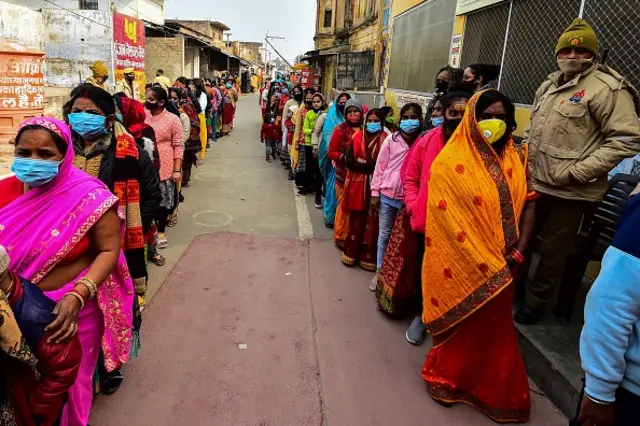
(475,201)
(332,120)
(357,185)
(134,116)
(43,225)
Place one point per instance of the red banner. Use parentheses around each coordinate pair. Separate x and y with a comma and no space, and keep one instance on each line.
(307,77)
(129,46)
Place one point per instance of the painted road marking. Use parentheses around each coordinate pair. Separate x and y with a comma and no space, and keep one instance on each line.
(305,229)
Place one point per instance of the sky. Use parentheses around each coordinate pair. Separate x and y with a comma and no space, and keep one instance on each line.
(249,20)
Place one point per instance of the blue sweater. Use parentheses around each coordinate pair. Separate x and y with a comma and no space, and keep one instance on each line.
(610,341)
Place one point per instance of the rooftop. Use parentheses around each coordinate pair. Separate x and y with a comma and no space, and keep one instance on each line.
(216,24)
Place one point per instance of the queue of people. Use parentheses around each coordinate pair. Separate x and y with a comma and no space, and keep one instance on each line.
(443,205)
(100,189)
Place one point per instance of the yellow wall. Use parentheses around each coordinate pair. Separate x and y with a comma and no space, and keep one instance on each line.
(400,6)
(364,38)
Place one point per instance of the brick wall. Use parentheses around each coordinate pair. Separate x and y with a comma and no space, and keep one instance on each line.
(165,53)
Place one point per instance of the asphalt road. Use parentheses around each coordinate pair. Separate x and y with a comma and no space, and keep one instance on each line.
(250,324)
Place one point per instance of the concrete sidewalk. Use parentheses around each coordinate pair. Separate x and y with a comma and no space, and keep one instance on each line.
(317,351)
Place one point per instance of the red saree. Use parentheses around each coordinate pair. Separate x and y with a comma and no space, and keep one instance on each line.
(494,379)
(361,244)
(397,276)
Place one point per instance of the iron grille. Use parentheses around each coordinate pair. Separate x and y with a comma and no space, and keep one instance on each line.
(617,23)
(486,31)
(530,54)
(356,70)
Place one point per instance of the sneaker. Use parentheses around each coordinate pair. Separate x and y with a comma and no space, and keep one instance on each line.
(415,332)
(373,284)
(317,203)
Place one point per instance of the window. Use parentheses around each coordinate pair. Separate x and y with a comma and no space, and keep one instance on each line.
(356,70)
(88,4)
(327,18)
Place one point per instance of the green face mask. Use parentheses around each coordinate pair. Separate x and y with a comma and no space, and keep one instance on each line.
(390,119)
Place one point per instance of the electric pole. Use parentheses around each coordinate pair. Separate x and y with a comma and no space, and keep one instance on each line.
(267,37)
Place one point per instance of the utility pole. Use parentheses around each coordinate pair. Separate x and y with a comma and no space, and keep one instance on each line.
(267,37)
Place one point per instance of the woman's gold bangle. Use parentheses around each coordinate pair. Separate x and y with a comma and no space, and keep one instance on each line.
(77,296)
(90,285)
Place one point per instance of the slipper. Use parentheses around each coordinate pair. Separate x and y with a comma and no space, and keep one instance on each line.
(158,260)
(112,382)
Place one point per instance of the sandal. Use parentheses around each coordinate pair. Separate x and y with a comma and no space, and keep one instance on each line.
(162,242)
(173,220)
(158,260)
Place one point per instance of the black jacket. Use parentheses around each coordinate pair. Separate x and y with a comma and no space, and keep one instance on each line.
(147,175)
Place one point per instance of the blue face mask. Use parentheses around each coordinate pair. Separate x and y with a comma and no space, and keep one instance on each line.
(119,117)
(34,172)
(409,126)
(229,85)
(437,121)
(374,127)
(89,126)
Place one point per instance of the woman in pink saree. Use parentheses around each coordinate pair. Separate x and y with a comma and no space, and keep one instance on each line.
(64,234)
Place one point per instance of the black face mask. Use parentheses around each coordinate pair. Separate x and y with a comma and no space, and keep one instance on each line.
(297,97)
(469,86)
(151,105)
(441,86)
(452,125)
(308,104)
(341,109)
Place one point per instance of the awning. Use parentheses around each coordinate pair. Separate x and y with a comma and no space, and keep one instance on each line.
(327,51)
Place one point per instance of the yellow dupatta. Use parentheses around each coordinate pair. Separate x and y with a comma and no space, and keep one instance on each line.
(475,201)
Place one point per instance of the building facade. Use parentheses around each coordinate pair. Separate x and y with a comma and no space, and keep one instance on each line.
(347,44)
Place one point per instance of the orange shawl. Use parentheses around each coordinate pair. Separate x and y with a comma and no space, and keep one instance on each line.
(474,207)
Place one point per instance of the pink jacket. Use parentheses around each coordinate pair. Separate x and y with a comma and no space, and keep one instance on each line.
(386,177)
(416,176)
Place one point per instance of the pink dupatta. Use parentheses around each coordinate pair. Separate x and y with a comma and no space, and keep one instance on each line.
(43,225)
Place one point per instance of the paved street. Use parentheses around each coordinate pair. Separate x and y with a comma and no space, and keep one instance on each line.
(253,325)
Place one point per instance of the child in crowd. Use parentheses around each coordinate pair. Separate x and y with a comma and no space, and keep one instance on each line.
(270,135)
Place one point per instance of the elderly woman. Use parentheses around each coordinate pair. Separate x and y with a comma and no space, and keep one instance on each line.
(64,234)
(480,217)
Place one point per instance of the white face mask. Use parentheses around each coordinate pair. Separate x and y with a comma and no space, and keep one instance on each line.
(574,66)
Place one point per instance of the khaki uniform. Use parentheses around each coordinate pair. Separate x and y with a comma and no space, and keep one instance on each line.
(92,81)
(582,129)
(130,90)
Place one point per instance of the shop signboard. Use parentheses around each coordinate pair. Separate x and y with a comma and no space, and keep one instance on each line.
(129,46)
(307,78)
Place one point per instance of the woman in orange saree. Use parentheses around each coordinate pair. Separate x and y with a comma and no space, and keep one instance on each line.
(480,215)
